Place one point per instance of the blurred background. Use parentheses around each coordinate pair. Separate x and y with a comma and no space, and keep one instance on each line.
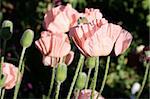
(125,70)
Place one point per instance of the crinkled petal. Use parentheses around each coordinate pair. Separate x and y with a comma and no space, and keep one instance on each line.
(123,42)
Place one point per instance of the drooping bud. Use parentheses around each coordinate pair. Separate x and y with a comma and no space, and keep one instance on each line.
(90,62)
(81,80)
(61,73)
(6,30)
(135,88)
(27,38)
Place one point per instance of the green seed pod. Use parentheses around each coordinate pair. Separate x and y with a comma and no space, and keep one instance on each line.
(61,73)
(27,38)
(81,80)
(90,62)
(6,30)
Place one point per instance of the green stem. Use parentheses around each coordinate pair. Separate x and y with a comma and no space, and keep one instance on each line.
(87,81)
(81,67)
(105,75)
(4,47)
(57,90)
(77,94)
(3,94)
(95,77)
(22,72)
(52,83)
(144,80)
(3,56)
(0,91)
(2,61)
(81,60)
(18,82)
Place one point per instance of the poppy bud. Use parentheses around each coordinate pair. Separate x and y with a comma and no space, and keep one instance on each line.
(27,38)
(90,62)
(81,80)
(135,88)
(61,73)
(7,29)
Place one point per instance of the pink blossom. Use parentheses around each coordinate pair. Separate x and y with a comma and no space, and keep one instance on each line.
(92,14)
(10,72)
(60,19)
(98,38)
(86,94)
(54,47)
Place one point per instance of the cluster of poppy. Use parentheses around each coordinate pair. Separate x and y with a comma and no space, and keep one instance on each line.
(91,33)
(95,37)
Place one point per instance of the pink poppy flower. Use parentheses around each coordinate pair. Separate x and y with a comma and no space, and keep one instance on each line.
(60,19)
(86,94)
(10,73)
(98,37)
(54,46)
(92,14)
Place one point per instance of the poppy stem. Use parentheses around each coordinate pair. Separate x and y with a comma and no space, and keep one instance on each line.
(77,95)
(95,77)
(105,76)
(3,94)
(87,81)
(144,80)
(80,63)
(3,56)
(52,82)
(57,90)
(20,67)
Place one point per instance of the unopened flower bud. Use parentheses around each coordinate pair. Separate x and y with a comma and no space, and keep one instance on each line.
(27,38)
(140,48)
(135,88)
(7,29)
(61,73)
(90,62)
(81,80)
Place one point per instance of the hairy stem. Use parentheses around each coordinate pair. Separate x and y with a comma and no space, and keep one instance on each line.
(52,83)
(3,94)
(81,60)
(95,77)
(57,90)
(87,81)
(144,80)
(18,82)
(105,75)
